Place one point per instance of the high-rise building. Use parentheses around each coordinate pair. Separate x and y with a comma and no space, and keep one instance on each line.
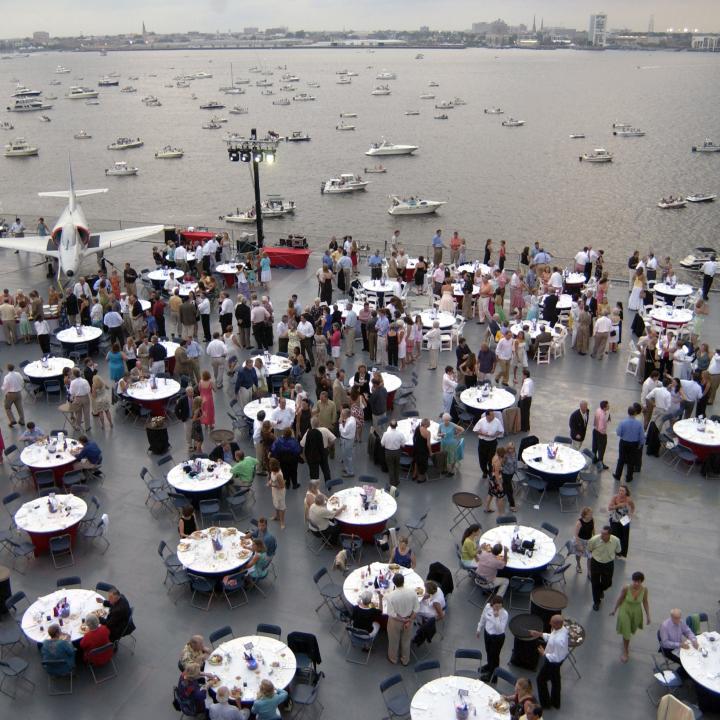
(40,37)
(597,31)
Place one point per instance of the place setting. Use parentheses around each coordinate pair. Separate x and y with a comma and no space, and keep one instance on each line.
(214,551)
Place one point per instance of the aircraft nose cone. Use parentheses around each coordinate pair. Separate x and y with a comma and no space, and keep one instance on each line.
(69,273)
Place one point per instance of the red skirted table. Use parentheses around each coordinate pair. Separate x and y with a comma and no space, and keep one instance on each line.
(355,519)
(703,438)
(41,523)
(196,237)
(287,257)
(155,399)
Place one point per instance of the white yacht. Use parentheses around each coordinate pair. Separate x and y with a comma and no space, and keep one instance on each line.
(82,135)
(298,136)
(344,80)
(6,125)
(343,127)
(314,84)
(287,88)
(412,112)
(494,111)
(169,153)
(375,169)
(304,97)
(201,76)
(427,96)
(445,105)
(62,70)
(274,207)
(413,206)
(28,105)
(108,81)
(211,126)
(21,91)
(151,101)
(288,78)
(512,122)
(238,110)
(577,136)
(125,144)
(19,147)
(598,155)
(701,197)
(121,168)
(386,75)
(77,92)
(281,101)
(708,146)
(442,116)
(217,119)
(384,147)
(346,183)
(128,89)
(628,132)
(263,83)
(672,203)
(621,126)
(212,105)
(348,115)
(381,90)
(55,82)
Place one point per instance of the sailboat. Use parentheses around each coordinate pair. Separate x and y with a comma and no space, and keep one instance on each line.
(232,89)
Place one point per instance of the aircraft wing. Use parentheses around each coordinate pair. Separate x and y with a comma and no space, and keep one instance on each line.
(115,238)
(31,243)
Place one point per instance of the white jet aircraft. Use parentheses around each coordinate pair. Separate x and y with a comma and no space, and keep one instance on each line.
(70,241)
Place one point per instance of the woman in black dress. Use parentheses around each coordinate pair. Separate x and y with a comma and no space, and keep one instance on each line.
(420,270)
(488,252)
(392,345)
(421,450)
(325,278)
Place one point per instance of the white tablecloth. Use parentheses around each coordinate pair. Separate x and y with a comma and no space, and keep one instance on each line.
(533,328)
(163,274)
(407,427)
(564,302)
(475,267)
(190,257)
(186,288)
(680,290)
(35,516)
(196,552)
(458,289)
(39,457)
(668,316)
(498,399)
(390,381)
(141,390)
(276,662)
(276,364)
(226,268)
(437,700)
(70,336)
(82,603)
(689,430)
(357,307)
(575,278)
(568,459)
(204,481)
(446,319)
(358,581)
(544,546)
(389,288)
(253,408)
(55,365)
(170,346)
(354,514)
(704,670)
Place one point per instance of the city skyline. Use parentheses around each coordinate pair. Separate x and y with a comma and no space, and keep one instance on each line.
(102,17)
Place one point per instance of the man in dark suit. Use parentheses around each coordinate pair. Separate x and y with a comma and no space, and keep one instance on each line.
(578,424)
(550,313)
(225,452)
(118,620)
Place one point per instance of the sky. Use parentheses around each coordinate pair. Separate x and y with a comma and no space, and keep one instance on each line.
(73,17)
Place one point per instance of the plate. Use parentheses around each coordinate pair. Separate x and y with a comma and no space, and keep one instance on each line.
(215,660)
(182,547)
(419,591)
(394,567)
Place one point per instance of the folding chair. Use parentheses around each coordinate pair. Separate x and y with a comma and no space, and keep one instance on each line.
(359,639)
(395,697)
(327,588)
(462,668)
(102,657)
(61,545)
(223,632)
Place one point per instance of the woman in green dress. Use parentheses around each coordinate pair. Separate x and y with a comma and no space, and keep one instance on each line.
(629,609)
(450,435)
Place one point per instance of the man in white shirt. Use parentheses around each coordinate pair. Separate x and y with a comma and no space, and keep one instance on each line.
(393,440)
(226,312)
(527,390)
(171,283)
(488,429)
(80,399)
(216,350)
(181,257)
(708,270)
(281,330)
(257,442)
(554,653)
(258,317)
(662,400)
(282,416)
(601,333)
(693,392)
(113,321)
(647,387)
(17,229)
(203,307)
(306,331)
(449,383)
(714,371)
(434,338)
(503,355)
(492,625)
(12,387)
(401,606)
(351,321)
(81,288)
(580,260)
(347,427)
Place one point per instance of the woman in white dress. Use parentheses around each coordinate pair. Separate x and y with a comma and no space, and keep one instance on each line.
(261,373)
(519,360)
(417,336)
(447,301)
(638,290)
(402,343)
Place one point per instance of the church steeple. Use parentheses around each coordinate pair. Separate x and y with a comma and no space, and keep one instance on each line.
(542,24)
(534,27)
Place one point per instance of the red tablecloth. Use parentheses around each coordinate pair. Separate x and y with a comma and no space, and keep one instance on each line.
(41,541)
(196,236)
(287,257)
(703,452)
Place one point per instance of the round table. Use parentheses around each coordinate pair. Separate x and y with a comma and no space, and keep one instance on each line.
(407,427)
(446,319)
(702,438)
(670,293)
(474,267)
(229,273)
(358,521)
(409,272)
(35,518)
(39,616)
(125,308)
(170,347)
(185,288)
(190,257)
(704,671)
(45,455)
(437,700)
(158,277)
(458,291)
(155,399)
(466,503)
(360,580)
(253,408)
(40,372)
(573,284)
(391,383)
(496,399)
(196,553)
(532,328)
(274,364)
(524,652)
(89,334)
(546,602)
(391,287)
(206,482)
(670,317)
(564,302)
(276,662)
(544,547)
(564,468)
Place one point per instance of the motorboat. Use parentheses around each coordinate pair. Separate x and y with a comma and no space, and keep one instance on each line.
(169,153)
(342,126)
(134,78)
(386,75)
(494,111)
(381,90)
(298,136)
(304,97)
(116,74)
(45,118)
(621,126)
(314,84)
(267,92)
(241,81)
(432,83)
(598,155)
(511,122)
(62,70)
(289,77)
(128,89)
(458,101)
(699,258)
(82,135)
(427,96)
(672,203)
(125,144)
(384,147)
(281,101)
(6,125)
(238,110)
(211,126)
(55,82)
(28,105)
(701,197)
(263,83)
(212,105)
(92,102)
(577,136)
(51,97)
(274,207)
(348,115)
(19,147)
(22,91)
(232,90)
(344,80)
(217,119)
(628,132)
(108,81)
(413,206)
(151,101)
(444,105)
(412,112)
(708,146)
(443,116)
(78,92)
(287,88)
(120,169)
(201,76)
(346,183)
(375,169)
